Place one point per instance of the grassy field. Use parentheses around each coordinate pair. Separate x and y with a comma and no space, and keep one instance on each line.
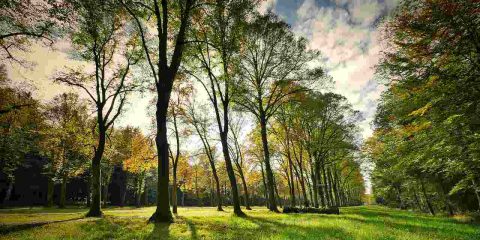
(372,222)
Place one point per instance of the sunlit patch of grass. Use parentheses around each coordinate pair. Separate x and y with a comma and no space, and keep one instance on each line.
(372,222)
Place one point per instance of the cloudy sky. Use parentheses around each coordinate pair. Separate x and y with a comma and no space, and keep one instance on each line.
(347,34)
(345,31)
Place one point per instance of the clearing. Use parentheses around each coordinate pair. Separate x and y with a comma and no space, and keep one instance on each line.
(365,222)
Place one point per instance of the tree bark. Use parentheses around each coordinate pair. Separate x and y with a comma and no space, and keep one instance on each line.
(427,199)
(477,194)
(272,206)
(314,182)
(446,199)
(95,207)
(174,191)
(293,201)
(319,186)
(50,191)
(245,189)
(265,189)
(231,174)
(105,194)
(162,212)
(325,185)
(8,194)
(63,192)
(217,185)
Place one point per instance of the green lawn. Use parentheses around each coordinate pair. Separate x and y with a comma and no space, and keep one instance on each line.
(372,222)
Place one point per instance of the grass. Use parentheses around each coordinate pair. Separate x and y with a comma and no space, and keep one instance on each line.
(372,222)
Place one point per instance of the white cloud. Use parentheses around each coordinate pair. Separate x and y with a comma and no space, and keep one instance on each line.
(343,32)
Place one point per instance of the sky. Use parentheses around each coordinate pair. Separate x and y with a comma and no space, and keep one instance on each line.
(347,34)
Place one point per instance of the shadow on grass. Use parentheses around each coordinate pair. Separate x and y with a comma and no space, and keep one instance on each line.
(297,231)
(160,231)
(7,228)
(412,222)
(191,226)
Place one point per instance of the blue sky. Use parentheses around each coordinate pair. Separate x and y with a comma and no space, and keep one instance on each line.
(347,33)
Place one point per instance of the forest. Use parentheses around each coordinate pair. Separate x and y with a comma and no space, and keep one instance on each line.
(247,136)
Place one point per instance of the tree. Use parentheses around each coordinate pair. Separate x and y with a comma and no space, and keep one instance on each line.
(427,120)
(201,124)
(238,155)
(21,121)
(177,114)
(22,21)
(274,67)
(172,21)
(141,160)
(67,141)
(100,39)
(216,51)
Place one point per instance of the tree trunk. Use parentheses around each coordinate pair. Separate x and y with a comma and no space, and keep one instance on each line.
(319,186)
(50,191)
(8,194)
(265,189)
(105,195)
(219,194)
(123,189)
(333,192)
(89,190)
(138,191)
(277,194)
(231,174)
(314,186)
(336,190)
(174,190)
(145,193)
(63,192)
(292,180)
(446,198)
(427,199)
(272,206)
(417,201)
(162,212)
(245,190)
(95,207)
(325,185)
(477,194)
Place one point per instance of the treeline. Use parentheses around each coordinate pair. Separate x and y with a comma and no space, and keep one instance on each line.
(240,113)
(426,144)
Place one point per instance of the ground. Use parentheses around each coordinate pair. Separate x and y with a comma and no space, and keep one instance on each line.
(366,222)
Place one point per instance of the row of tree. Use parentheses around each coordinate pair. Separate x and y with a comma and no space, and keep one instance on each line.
(426,144)
(247,65)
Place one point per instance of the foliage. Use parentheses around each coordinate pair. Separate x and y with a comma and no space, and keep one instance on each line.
(427,122)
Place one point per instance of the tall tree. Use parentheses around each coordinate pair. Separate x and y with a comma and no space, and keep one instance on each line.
(237,151)
(427,119)
(99,38)
(182,89)
(21,122)
(201,124)
(141,160)
(171,21)
(67,141)
(216,51)
(274,66)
